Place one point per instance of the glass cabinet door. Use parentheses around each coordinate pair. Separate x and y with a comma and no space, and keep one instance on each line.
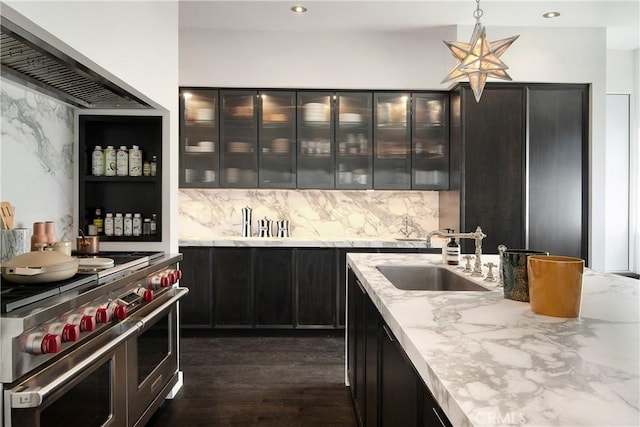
(199,138)
(430,141)
(239,138)
(392,153)
(354,139)
(315,140)
(277,140)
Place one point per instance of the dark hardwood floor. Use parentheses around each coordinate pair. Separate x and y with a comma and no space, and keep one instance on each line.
(288,378)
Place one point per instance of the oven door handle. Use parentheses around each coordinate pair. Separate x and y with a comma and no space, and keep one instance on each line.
(22,397)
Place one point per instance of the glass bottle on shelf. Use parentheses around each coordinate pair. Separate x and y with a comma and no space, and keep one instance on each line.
(392,144)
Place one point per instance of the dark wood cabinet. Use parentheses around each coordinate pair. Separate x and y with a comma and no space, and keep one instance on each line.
(316,273)
(399,396)
(392,141)
(275,138)
(385,388)
(518,159)
(120,194)
(273,283)
(432,413)
(233,287)
(429,141)
(558,170)
(356,342)
(245,287)
(197,274)
(199,138)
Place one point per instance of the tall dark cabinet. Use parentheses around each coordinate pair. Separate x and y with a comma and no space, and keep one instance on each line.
(518,165)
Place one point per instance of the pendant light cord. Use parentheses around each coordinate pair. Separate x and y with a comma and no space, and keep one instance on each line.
(478,12)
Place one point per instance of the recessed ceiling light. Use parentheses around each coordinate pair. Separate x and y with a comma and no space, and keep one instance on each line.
(551,14)
(298,9)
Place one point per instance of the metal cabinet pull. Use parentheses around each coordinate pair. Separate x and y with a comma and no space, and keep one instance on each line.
(438,415)
(389,333)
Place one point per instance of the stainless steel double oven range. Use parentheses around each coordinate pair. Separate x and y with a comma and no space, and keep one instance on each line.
(99,349)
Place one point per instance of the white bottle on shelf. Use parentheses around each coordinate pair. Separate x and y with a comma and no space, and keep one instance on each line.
(137,224)
(110,161)
(128,225)
(108,224)
(118,225)
(97,161)
(135,161)
(122,161)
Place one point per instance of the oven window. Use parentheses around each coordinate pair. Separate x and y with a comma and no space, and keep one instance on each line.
(153,347)
(88,403)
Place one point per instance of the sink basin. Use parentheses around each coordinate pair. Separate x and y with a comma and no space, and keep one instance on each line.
(427,278)
(410,239)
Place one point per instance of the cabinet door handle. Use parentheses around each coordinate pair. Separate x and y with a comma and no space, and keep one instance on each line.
(438,416)
(360,286)
(388,332)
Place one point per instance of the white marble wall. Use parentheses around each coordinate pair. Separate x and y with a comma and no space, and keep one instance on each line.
(326,214)
(36,158)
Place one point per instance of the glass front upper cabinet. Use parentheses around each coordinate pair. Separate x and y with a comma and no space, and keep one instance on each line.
(239,138)
(392,141)
(277,140)
(199,138)
(315,140)
(430,141)
(354,139)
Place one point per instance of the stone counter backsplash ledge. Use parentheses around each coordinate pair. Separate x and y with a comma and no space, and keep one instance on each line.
(324,214)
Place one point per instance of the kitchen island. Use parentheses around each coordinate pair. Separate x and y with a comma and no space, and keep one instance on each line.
(488,360)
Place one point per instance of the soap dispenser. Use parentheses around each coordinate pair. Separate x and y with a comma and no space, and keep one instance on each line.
(453,250)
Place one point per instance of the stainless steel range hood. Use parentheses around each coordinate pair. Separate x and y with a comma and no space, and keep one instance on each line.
(29,60)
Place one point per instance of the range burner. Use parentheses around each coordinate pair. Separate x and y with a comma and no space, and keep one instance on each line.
(14,295)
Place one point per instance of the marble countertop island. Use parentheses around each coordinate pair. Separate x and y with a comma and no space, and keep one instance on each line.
(492,361)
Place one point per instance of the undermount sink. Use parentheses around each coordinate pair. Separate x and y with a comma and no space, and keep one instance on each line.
(410,239)
(427,278)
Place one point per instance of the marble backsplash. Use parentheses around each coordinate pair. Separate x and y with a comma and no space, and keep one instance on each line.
(36,158)
(326,214)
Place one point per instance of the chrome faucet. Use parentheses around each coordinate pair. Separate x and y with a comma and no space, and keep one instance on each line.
(477,235)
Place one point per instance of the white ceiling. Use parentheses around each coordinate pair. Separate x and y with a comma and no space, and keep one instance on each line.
(621,18)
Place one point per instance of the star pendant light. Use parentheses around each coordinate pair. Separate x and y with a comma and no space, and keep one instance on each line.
(479,58)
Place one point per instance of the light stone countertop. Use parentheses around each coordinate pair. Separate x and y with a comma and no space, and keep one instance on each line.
(308,242)
(492,361)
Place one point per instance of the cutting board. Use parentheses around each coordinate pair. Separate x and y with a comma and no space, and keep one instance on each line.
(6,212)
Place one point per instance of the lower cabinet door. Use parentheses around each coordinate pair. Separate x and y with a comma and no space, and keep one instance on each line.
(232,278)
(432,414)
(195,308)
(274,287)
(398,384)
(316,287)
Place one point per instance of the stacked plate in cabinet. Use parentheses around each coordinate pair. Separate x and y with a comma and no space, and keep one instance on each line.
(239,147)
(199,175)
(280,146)
(316,112)
(201,147)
